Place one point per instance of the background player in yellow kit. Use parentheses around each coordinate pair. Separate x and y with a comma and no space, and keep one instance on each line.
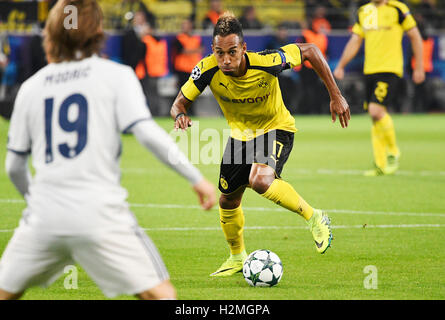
(246,87)
(382,23)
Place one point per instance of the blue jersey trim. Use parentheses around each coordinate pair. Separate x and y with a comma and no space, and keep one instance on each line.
(128,128)
(21,153)
(283,57)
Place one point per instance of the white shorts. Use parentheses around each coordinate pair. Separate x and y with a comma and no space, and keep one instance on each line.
(121,261)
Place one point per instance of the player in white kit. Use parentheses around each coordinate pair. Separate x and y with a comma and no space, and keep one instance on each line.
(69,117)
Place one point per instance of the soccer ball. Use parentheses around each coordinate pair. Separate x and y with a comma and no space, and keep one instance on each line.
(262,268)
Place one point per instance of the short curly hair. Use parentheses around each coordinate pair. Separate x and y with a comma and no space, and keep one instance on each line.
(228,24)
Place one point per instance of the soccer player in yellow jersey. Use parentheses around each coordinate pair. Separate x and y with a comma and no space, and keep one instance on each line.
(382,23)
(246,87)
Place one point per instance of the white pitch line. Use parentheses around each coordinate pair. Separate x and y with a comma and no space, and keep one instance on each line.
(195,207)
(423,173)
(378,226)
(388,213)
(177,206)
(12,201)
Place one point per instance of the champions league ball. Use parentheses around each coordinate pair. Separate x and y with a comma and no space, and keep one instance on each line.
(262,268)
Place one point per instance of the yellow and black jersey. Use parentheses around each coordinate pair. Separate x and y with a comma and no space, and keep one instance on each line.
(252,103)
(382,27)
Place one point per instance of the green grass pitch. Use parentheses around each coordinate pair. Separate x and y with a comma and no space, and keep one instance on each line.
(395,223)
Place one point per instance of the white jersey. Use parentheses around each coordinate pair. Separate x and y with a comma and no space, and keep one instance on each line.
(69,116)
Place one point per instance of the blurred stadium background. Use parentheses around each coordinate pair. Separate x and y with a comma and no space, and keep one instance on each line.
(21,54)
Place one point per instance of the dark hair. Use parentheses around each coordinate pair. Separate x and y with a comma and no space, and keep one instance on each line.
(62,44)
(228,24)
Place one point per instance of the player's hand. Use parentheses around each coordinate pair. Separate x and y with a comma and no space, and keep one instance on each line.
(206,194)
(182,122)
(339,106)
(418,76)
(339,73)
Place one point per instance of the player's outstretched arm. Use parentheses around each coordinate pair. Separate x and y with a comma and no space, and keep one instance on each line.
(17,169)
(416,44)
(178,112)
(154,138)
(338,104)
(350,51)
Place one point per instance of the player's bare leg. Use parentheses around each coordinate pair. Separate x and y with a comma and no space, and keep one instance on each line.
(5,295)
(232,200)
(163,291)
(262,180)
(261,177)
(232,223)
(376,111)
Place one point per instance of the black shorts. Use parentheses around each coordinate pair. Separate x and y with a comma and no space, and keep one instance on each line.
(272,149)
(381,88)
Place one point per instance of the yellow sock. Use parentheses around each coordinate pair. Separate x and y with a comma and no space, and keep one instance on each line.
(386,126)
(378,146)
(283,194)
(232,224)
